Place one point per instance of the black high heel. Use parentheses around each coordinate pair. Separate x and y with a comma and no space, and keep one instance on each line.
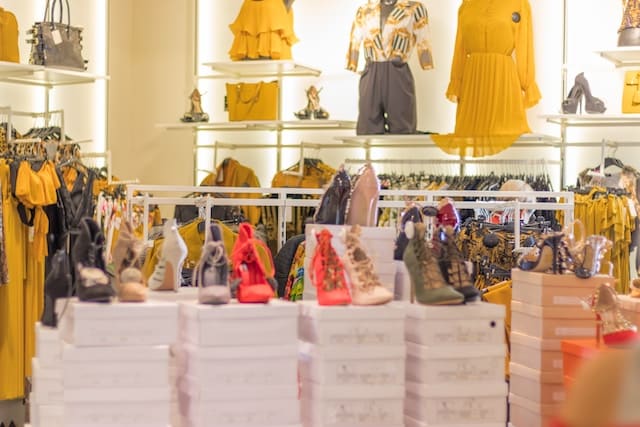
(333,205)
(573,101)
(58,284)
(592,105)
(549,256)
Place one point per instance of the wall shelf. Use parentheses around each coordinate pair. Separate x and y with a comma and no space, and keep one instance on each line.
(264,68)
(625,56)
(593,119)
(419,140)
(274,125)
(37,75)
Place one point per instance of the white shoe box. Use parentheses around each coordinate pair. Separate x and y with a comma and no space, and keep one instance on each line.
(48,346)
(537,386)
(450,365)
(115,367)
(378,242)
(46,415)
(48,386)
(526,413)
(411,422)
(352,325)
(536,353)
(552,322)
(150,323)
(630,308)
(351,406)
(452,405)
(117,407)
(184,293)
(238,324)
(402,283)
(365,365)
(553,290)
(247,366)
(477,323)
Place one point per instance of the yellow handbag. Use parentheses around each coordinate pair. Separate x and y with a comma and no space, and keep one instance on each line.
(631,92)
(8,37)
(252,101)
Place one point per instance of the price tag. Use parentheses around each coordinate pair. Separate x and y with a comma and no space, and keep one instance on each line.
(57,38)
(32,234)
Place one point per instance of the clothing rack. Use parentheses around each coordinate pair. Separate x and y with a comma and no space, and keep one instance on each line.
(46,115)
(286,200)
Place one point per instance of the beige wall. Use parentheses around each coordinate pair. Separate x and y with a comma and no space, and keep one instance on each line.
(151,48)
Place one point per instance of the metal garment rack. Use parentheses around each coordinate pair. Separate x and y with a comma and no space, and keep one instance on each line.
(140,195)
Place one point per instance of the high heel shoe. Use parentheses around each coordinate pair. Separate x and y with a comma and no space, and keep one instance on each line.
(58,284)
(127,251)
(327,272)
(614,329)
(447,214)
(546,256)
(362,208)
(333,204)
(573,101)
(91,281)
(254,283)
(428,285)
(211,274)
(366,288)
(454,267)
(167,275)
(587,262)
(411,214)
(592,105)
(195,114)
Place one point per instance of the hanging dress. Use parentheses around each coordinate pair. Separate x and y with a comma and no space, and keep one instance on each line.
(263,29)
(492,77)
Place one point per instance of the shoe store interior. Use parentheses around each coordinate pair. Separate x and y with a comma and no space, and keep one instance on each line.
(286,213)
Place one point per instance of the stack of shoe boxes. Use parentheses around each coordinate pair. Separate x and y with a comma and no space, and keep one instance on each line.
(455,366)
(352,361)
(115,363)
(378,242)
(546,308)
(46,404)
(237,365)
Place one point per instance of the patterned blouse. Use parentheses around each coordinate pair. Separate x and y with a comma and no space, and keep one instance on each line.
(407,26)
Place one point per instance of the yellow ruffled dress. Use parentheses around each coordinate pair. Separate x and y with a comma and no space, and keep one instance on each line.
(263,29)
(492,77)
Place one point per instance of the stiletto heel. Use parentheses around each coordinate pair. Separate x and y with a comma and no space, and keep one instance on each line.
(594,249)
(253,281)
(573,101)
(592,105)
(333,204)
(211,274)
(92,283)
(168,272)
(363,203)
(129,281)
(58,284)
(195,114)
(454,268)
(327,272)
(614,328)
(545,256)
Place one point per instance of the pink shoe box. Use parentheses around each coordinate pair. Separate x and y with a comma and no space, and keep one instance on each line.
(552,322)
(351,325)
(536,353)
(364,365)
(553,290)
(351,406)
(526,413)
(630,308)
(457,404)
(402,283)
(447,365)
(46,415)
(202,391)
(184,293)
(86,324)
(411,422)
(48,346)
(115,367)
(248,366)
(48,386)
(467,324)
(117,407)
(238,324)
(537,386)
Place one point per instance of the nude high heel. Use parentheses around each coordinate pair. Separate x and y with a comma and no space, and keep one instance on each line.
(614,328)
(168,272)
(129,281)
(363,204)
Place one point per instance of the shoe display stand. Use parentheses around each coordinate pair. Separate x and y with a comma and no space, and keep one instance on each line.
(378,242)
(352,365)
(455,366)
(545,309)
(237,365)
(106,365)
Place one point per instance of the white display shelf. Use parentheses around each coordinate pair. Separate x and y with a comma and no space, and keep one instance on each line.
(38,75)
(625,56)
(593,119)
(262,68)
(270,125)
(419,140)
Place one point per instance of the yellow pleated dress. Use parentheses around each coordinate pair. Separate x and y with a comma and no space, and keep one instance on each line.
(492,77)
(263,29)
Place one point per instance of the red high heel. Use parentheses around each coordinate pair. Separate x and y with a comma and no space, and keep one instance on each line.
(612,326)
(254,283)
(327,273)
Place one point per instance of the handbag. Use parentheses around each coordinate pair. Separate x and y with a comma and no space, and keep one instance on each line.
(8,37)
(252,101)
(55,44)
(631,92)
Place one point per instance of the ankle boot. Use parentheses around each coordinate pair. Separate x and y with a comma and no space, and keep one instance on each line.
(167,275)
(333,204)
(454,268)
(427,282)
(58,284)
(211,274)
(327,272)
(366,288)
(91,281)
(126,255)
(363,204)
